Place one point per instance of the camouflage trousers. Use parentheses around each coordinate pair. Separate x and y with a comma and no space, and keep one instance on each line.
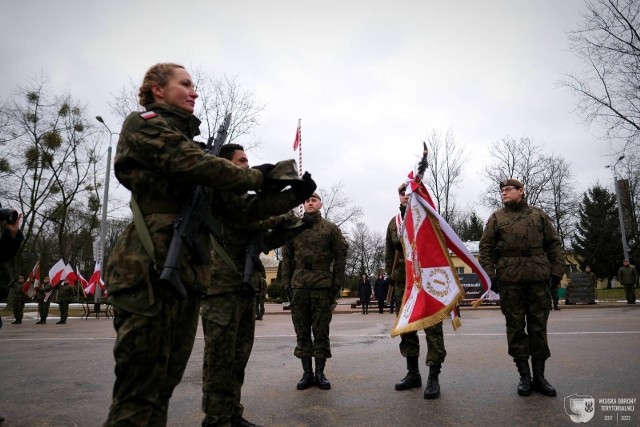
(43,309)
(228,322)
(151,354)
(410,343)
(64,310)
(526,307)
(18,308)
(311,313)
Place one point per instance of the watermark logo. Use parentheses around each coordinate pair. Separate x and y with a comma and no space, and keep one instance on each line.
(580,408)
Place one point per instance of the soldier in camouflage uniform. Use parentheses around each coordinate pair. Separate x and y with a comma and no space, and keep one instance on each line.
(228,308)
(19,298)
(64,296)
(409,342)
(521,252)
(628,277)
(313,267)
(160,163)
(43,294)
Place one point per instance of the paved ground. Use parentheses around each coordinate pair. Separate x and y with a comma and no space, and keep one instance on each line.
(61,375)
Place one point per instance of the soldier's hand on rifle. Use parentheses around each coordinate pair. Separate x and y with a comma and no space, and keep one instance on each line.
(304,189)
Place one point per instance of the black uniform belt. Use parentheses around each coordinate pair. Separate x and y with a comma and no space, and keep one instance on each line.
(522,252)
(299,265)
(159,207)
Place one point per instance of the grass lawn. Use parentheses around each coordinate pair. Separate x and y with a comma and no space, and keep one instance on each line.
(615,294)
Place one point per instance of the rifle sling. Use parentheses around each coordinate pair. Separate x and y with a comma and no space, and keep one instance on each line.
(145,238)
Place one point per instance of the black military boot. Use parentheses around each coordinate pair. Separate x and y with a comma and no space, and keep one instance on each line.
(539,383)
(524,386)
(432,391)
(321,380)
(413,378)
(307,377)
(241,422)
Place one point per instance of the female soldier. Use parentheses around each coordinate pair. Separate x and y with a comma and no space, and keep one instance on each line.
(158,161)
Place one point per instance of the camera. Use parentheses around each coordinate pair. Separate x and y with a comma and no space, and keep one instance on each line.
(9,215)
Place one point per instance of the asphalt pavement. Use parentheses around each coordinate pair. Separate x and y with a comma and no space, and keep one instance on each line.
(62,375)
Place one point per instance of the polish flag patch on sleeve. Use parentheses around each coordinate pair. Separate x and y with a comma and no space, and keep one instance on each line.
(148,115)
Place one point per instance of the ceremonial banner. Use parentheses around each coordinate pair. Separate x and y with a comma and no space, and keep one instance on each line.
(33,282)
(433,288)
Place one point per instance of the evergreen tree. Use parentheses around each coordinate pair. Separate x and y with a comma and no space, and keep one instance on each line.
(597,239)
(471,228)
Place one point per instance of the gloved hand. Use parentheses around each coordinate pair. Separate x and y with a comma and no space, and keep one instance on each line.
(555,281)
(495,286)
(265,169)
(305,188)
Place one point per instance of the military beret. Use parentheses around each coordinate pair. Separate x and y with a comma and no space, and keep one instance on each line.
(316,195)
(511,182)
(402,188)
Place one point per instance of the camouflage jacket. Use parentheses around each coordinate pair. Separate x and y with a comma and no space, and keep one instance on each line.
(158,161)
(393,244)
(627,275)
(316,258)
(242,218)
(42,291)
(520,244)
(64,293)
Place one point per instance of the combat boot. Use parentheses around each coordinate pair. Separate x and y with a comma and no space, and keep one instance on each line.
(432,391)
(413,378)
(41,322)
(307,377)
(321,380)
(539,383)
(241,422)
(524,386)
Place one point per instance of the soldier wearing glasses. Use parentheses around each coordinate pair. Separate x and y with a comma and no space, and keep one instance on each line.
(521,252)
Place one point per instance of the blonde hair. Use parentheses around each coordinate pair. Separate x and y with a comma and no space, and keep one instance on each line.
(158,74)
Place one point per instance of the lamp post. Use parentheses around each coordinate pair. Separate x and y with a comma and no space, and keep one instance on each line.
(623,233)
(103,223)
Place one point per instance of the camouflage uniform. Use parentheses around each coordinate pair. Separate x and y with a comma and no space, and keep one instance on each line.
(19,298)
(409,342)
(628,277)
(308,272)
(64,296)
(261,294)
(522,250)
(228,309)
(43,301)
(158,161)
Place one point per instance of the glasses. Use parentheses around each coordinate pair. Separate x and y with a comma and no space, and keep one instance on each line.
(507,189)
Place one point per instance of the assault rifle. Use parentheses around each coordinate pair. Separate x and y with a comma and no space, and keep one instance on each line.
(193,222)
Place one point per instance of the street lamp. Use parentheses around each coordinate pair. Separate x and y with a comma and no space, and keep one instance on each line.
(623,233)
(103,223)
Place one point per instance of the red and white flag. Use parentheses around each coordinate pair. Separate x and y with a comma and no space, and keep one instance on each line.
(433,288)
(82,280)
(298,140)
(70,275)
(94,280)
(33,281)
(57,273)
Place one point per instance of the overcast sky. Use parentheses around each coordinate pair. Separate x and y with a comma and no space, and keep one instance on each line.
(369,79)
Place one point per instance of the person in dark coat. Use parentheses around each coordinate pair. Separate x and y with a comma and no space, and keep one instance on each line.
(380,289)
(364,291)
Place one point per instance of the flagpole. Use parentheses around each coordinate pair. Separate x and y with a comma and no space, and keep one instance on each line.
(299,145)
(103,225)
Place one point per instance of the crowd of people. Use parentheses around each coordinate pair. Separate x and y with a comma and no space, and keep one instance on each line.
(219,279)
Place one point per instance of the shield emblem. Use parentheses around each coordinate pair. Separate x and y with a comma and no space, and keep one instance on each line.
(580,408)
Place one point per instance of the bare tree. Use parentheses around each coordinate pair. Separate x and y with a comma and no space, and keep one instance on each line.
(48,166)
(518,159)
(217,97)
(558,199)
(446,162)
(609,44)
(337,207)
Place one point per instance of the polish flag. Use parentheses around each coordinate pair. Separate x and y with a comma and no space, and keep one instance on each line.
(298,140)
(82,280)
(57,273)
(33,281)
(433,288)
(70,275)
(95,279)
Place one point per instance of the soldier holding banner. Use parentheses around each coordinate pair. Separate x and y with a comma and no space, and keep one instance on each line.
(409,342)
(522,253)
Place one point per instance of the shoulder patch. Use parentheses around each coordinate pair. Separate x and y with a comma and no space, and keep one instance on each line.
(148,115)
